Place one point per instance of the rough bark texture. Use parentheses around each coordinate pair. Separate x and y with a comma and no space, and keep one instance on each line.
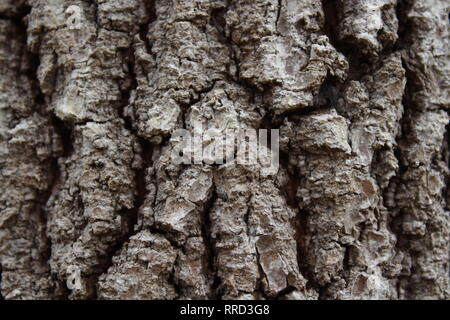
(90,92)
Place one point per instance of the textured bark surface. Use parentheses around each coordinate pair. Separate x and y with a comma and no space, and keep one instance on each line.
(91,90)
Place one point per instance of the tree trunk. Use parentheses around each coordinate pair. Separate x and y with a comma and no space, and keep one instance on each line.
(92,206)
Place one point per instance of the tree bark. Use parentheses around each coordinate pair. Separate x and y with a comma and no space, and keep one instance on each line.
(91,91)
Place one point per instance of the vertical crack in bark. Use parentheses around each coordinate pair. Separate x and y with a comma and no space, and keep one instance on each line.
(210,255)
(144,28)
(279,5)
(144,149)
(421,172)
(396,216)
(261,279)
(36,115)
